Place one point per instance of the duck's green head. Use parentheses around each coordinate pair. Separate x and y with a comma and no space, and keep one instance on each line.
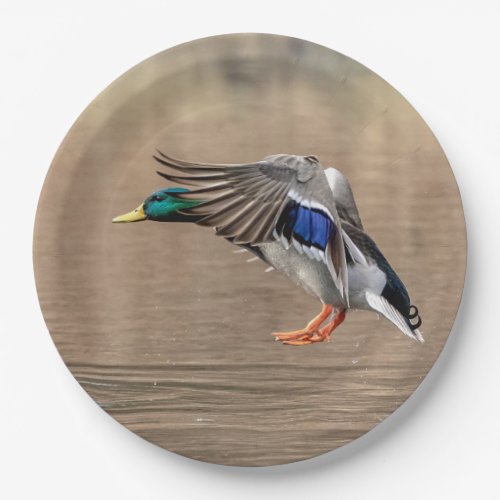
(161,206)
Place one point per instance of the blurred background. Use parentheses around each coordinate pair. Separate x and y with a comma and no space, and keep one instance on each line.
(166,328)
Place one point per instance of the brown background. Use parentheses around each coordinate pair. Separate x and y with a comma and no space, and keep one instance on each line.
(166,328)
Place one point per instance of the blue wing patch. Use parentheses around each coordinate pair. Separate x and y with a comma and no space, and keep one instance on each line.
(310,227)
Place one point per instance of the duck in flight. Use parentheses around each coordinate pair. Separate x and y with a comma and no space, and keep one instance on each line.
(298,218)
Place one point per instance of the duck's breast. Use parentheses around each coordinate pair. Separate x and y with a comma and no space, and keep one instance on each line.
(311,275)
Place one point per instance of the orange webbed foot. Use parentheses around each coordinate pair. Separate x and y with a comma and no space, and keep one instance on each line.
(312,333)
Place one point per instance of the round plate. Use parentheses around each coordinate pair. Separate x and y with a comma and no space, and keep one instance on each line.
(166,327)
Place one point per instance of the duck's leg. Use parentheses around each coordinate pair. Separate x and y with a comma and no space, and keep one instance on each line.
(323,334)
(312,329)
(327,330)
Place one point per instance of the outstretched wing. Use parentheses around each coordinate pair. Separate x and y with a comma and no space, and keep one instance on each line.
(283,197)
(344,199)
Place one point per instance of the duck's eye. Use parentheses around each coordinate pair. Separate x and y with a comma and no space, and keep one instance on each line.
(157,198)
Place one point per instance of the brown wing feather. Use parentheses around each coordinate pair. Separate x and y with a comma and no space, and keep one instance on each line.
(244,202)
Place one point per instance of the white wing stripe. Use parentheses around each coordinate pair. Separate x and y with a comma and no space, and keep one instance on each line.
(353,250)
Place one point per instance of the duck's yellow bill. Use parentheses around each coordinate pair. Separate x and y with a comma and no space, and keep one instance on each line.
(134,216)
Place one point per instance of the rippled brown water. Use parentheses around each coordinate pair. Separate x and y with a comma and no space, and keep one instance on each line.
(166,328)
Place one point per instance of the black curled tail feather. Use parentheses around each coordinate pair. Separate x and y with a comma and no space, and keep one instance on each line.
(414,319)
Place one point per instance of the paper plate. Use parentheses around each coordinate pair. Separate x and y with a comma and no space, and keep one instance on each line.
(168,329)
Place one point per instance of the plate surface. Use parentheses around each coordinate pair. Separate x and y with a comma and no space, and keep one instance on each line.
(166,328)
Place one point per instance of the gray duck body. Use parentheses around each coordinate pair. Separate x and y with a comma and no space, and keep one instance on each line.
(303,221)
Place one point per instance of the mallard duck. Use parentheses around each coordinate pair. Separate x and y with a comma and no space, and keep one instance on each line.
(302,221)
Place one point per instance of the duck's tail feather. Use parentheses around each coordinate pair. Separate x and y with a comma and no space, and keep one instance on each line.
(413,315)
(380,304)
